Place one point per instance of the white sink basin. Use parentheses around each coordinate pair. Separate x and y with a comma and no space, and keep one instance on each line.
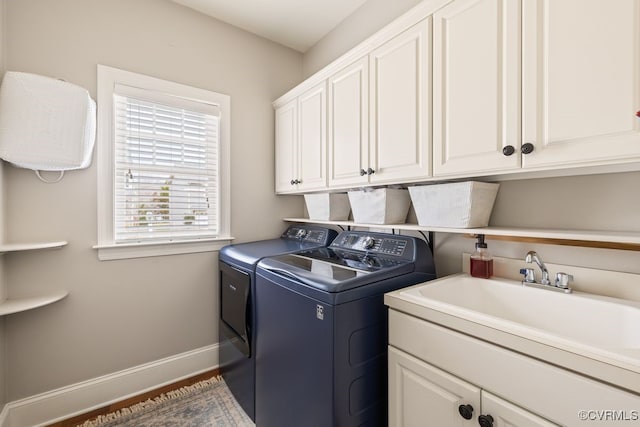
(576,320)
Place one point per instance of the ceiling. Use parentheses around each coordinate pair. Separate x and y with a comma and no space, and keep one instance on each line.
(298,24)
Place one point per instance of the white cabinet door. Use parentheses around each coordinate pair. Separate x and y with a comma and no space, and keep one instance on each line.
(400,106)
(423,395)
(581,81)
(312,142)
(286,143)
(348,122)
(505,414)
(476,86)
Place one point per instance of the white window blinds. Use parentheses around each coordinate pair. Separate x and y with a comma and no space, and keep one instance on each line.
(166,167)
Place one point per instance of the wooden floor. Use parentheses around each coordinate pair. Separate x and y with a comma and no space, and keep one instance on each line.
(133,400)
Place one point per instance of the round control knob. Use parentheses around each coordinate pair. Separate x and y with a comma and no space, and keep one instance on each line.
(485,421)
(508,150)
(301,233)
(368,261)
(368,242)
(527,148)
(466,411)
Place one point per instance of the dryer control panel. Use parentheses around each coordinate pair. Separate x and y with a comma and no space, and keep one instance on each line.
(310,234)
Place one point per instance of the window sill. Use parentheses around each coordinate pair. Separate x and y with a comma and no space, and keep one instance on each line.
(108,252)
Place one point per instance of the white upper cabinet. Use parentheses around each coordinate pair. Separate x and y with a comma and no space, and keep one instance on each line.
(286,146)
(348,125)
(581,81)
(380,113)
(301,142)
(467,88)
(312,151)
(400,107)
(476,85)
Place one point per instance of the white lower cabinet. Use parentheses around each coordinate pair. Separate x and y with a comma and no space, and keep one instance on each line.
(505,414)
(437,375)
(422,395)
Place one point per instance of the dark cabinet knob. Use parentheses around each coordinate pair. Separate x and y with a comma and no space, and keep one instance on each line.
(527,148)
(485,421)
(370,171)
(363,172)
(466,411)
(293,182)
(508,150)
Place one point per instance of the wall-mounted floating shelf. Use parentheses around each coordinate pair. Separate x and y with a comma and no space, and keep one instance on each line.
(17,305)
(583,238)
(16,247)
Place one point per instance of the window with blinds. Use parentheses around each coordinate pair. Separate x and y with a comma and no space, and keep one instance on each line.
(165,167)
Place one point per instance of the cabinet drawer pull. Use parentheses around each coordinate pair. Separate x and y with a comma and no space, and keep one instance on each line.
(527,148)
(485,421)
(508,150)
(466,411)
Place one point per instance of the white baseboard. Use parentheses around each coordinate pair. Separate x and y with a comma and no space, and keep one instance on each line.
(76,399)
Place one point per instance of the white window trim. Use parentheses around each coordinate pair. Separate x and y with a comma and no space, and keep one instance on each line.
(107,248)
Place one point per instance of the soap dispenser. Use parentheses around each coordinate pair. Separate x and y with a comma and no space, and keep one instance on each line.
(481,260)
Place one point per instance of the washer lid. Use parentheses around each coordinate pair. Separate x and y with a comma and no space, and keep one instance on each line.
(336,271)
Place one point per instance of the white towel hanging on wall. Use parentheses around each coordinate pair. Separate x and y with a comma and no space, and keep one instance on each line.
(45,124)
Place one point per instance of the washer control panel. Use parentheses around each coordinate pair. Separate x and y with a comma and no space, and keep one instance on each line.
(378,243)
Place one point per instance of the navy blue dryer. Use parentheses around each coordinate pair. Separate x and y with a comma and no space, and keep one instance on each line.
(237,302)
(322,329)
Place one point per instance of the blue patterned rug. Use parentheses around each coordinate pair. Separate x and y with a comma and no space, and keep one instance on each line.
(207,403)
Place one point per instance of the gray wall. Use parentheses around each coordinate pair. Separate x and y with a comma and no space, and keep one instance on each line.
(596,202)
(592,202)
(124,313)
(366,20)
(120,314)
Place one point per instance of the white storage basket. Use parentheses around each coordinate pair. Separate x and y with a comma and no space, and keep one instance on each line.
(328,206)
(380,206)
(457,205)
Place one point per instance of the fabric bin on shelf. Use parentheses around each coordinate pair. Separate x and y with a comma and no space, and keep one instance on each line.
(328,206)
(456,205)
(380,206)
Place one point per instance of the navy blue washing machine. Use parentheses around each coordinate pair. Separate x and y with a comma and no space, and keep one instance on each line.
(321,349)
(237,290)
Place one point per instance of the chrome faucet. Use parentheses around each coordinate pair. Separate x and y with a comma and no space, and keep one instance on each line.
(529,278)
(533,256)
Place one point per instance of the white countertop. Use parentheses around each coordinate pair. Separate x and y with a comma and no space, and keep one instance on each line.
(618,366)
